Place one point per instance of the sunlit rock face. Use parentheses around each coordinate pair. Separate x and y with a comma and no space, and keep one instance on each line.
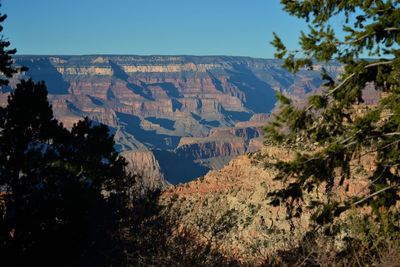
(196,110)
(144,165)
(240,192)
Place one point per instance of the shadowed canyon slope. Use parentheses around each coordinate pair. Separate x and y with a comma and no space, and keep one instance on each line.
(191,113)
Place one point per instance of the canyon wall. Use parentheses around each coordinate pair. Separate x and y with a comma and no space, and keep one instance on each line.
(232,207)
(198,110)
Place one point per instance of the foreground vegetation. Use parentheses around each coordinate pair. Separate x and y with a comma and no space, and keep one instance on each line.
(64,195)
(66,200)
(343,128)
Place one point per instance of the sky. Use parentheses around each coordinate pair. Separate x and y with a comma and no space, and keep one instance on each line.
(148,27)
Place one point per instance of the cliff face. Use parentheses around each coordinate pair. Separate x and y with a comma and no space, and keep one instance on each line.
(146,167)
(168,102)
(225,206)
(226,141)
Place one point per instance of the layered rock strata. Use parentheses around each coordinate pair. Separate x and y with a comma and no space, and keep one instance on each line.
(164,103)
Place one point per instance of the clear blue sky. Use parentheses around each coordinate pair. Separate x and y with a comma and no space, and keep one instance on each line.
(147,27)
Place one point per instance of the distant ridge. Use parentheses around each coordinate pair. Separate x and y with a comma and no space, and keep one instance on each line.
(196,110)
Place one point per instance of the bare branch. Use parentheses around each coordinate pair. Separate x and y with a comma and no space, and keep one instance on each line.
(374,194)
(392,134)
(375,64)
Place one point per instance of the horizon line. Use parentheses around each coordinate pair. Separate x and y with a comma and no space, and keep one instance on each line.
(142,55)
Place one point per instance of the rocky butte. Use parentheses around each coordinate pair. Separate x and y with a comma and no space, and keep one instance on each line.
(174,117)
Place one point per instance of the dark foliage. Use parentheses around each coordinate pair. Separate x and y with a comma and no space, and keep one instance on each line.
(331,120)
(64,194)
(6,68)
(64,191)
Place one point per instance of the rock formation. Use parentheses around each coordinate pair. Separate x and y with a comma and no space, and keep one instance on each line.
(168,103)
(231,209)
(144,165)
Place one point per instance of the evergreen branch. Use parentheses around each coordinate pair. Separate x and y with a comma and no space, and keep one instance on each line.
(359,39)
(351,76)
(341,84)
(375,64)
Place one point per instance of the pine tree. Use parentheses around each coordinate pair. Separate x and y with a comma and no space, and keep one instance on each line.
(64,193)
(6,54)
(371,29)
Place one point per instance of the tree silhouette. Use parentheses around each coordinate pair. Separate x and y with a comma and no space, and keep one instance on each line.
(6,54)
(62,189)
(63,194)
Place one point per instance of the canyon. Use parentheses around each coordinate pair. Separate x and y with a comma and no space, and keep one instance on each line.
(174,117)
